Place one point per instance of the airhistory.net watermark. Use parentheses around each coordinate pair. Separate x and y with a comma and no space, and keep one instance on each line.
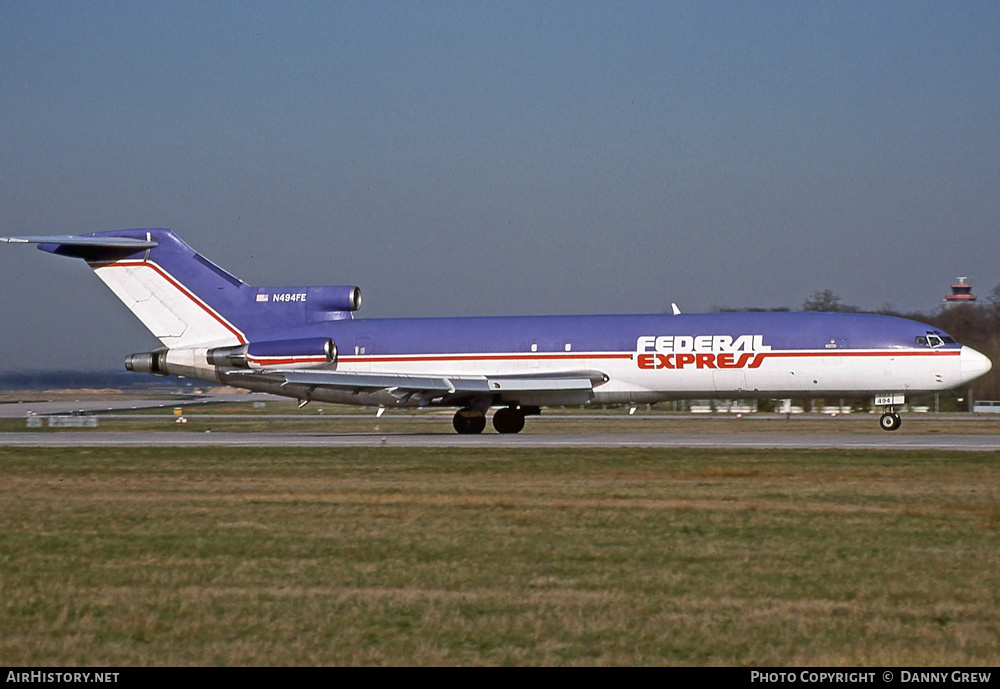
(44,676)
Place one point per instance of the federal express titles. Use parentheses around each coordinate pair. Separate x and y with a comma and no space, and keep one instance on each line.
(700,351)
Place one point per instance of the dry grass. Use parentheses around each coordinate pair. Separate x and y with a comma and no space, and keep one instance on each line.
(587,557)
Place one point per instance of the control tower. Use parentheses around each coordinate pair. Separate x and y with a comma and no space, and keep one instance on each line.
(961,293)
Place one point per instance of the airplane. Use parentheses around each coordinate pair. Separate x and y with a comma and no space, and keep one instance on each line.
(305,343)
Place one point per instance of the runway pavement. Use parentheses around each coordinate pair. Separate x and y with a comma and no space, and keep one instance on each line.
(19,410)
(788,441)
(444,438)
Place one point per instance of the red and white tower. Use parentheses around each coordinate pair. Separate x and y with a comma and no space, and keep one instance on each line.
(961,293)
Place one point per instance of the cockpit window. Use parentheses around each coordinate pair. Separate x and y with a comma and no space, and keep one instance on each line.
(933,340)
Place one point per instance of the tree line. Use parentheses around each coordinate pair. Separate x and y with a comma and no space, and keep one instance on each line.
(976,324)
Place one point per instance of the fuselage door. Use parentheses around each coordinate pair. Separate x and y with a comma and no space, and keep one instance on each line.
(730,380)
(362,352)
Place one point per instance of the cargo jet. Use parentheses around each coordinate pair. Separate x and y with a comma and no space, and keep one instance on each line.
(304,343)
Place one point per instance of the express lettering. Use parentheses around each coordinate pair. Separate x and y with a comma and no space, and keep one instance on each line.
(681,361)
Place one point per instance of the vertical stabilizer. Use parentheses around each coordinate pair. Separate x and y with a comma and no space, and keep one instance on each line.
(184,299)
(177,294)
(180,296)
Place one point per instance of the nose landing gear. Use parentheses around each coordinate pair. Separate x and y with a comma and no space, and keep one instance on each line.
(890,421)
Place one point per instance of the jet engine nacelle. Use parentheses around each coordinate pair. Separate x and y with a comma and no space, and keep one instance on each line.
(336,298)
(154,362)
(309,351)
(309,304)
(188,362)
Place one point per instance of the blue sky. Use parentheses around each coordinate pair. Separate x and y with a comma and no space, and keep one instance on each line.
(458,158)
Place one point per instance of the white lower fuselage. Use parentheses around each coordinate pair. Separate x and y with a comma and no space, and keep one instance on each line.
(633,378)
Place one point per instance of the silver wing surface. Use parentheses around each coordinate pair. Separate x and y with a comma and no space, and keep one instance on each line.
(570,387)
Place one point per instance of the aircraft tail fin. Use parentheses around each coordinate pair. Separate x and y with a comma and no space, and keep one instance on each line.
(186,300)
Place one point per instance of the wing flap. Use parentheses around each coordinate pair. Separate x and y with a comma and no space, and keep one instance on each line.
(379,381)
(540,383)
(405,385)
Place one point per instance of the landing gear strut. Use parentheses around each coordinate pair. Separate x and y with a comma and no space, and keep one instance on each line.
(890,421)
(469,422)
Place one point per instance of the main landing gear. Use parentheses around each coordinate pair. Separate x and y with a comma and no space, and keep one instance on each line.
(469,422)
(506,420)
(890,421)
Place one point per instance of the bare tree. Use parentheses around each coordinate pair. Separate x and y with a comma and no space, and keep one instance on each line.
(828,302)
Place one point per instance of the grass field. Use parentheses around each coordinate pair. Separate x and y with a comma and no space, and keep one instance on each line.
(583,557)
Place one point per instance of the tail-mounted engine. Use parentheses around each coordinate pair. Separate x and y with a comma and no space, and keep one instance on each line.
(310,351)
(154,362)
(292,306)
(205,364)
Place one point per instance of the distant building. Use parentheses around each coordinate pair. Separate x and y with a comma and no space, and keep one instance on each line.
(961,293)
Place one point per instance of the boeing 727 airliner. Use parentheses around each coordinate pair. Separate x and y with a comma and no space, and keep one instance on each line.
(304,343)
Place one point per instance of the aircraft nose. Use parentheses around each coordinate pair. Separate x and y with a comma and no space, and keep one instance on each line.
(974,364)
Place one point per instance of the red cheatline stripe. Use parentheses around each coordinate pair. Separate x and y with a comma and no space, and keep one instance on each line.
(183,290)
(890,353)
(278,361)
(480,357)
(402,358)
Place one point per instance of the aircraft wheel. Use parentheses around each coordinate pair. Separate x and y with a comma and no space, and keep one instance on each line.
(890,421)
(468,422)
(508,420)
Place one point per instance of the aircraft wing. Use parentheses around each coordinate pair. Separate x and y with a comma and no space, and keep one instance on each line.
(573,386)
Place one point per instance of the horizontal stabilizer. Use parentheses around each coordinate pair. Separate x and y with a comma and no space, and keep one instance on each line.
(95,242)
